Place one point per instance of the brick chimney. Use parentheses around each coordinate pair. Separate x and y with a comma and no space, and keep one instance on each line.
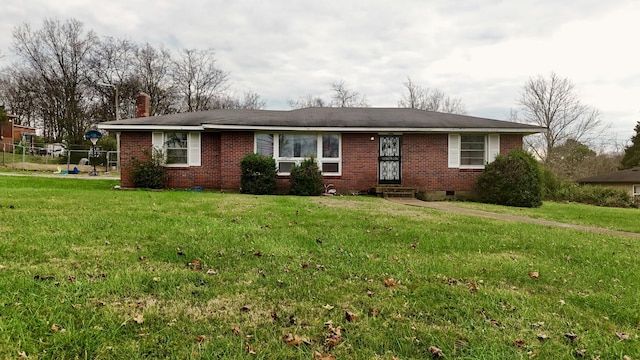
(143,105)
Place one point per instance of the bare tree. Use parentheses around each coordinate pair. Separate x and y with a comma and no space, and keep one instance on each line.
(552,102)
(344,97)
(54,57)
(429,99)
(307,101)
(250,101)
(153,70)
(198,80)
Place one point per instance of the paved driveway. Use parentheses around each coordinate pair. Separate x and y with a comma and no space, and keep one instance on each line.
(451,207)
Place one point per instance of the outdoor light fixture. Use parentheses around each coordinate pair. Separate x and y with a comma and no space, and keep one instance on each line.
(93,135)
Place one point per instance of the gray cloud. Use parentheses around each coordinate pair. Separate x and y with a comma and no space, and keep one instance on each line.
(481,51)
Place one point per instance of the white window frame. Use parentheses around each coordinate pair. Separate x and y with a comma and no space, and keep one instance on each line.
(491,150)
(635,190)
(297,160)
(159,140)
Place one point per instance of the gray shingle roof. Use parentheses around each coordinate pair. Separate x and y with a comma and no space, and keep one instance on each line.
(346,119)
(623,176)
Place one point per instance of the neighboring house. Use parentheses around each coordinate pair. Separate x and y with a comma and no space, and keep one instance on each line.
(11,134)
(628,180)
(357,149)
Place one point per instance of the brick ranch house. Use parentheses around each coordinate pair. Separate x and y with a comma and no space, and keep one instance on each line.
(358,149)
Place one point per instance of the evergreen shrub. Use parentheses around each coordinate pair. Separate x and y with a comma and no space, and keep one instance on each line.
(258,174)
(306,178)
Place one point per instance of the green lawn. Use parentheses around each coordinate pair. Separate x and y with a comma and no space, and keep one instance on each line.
(90,272)
(571,213)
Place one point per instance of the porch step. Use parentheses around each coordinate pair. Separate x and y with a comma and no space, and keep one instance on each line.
(396,191)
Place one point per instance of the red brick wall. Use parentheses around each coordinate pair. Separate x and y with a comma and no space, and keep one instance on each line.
(132,145)
(233,147)
(424,162)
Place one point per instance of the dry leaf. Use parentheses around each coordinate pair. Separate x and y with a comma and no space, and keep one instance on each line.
(212,272)
(275,315)
(139,319)
(245,308)
(236,219)
(292,340)
(57,328)
(473,287)
(2,267)
(200,339)
(250,349)
(195,265)
(542,337)
(374,312)
(327,307)
(390,282)
(350,316)
(22,355)
(622,336)
(518,343)
(571,336)
(581,352)
(534,274)
(435,352)
(318,356)
(235,330)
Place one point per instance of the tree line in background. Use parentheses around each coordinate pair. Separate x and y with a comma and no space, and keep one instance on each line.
(67,78)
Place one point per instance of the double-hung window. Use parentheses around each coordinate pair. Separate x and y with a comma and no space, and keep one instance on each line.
(289,149)
(636,190)
(179,148)
(472,151)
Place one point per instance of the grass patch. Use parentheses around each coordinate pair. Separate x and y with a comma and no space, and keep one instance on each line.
(124,274)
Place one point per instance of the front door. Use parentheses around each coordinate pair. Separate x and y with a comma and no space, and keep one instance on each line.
(389,159)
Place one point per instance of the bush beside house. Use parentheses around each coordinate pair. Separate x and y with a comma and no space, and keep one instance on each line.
(258,174)
(513,180)
(306,178)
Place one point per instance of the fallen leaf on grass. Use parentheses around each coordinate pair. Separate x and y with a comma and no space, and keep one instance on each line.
(22,355)
(71,278)
(622,336)
(534,274)
(245,308)
(195,264)
(335,336)
(369,293)
(236,219)
(571,336)
(542,337)
(142,258)
(435,352)
(139,319)
(473,287)
(318,356)
(374,312)
(250,349)
(581,352)
(57,328)
(327,307)
(390,282)
(350,316)
(235,330)
(212,272)
(2,267)
(519,343)
(295,340)
(200,339)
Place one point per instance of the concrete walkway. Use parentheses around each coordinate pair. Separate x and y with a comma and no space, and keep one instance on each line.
(451,207)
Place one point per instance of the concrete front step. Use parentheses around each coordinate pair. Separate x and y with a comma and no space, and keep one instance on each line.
(396,191)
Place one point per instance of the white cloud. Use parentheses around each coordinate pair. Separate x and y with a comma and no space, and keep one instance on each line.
(479,50)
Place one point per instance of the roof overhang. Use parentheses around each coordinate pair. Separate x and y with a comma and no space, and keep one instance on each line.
(265,128)
(150,127)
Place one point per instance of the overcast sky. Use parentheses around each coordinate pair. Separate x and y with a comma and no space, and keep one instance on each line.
(481,51)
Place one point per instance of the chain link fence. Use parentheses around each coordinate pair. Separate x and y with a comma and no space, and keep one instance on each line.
(59,159)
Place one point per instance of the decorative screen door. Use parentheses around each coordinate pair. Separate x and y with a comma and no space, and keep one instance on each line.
(389,159)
